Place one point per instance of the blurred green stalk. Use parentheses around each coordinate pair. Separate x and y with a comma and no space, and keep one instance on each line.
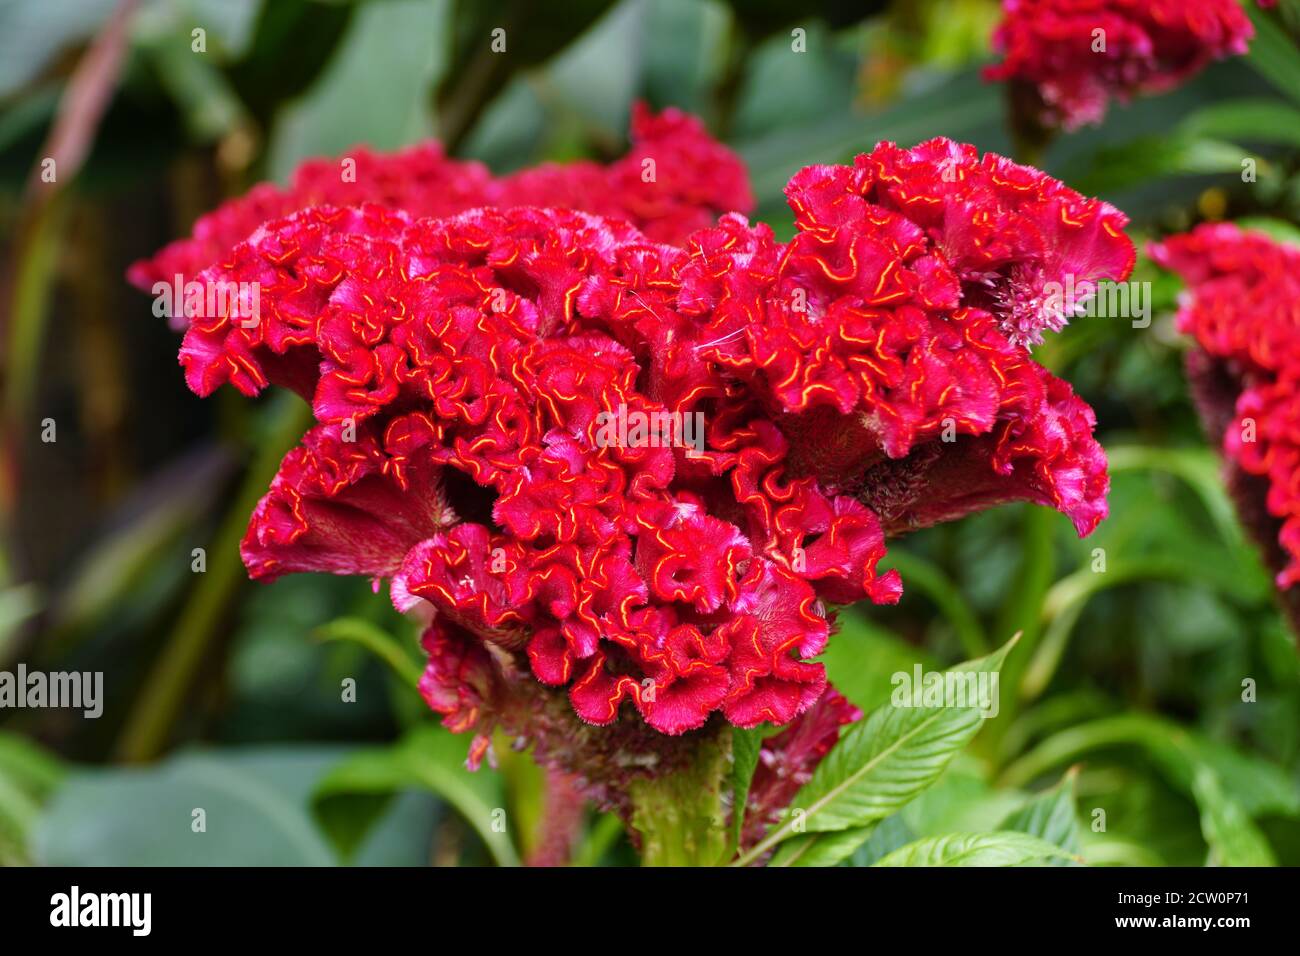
(168,684)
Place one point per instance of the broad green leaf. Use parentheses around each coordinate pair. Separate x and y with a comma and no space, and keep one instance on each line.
(890,834)
(353,101)
(685,52)
(1233,838)
(1050,816)
(821,849)
(611,50)
(428,757)
(745,747)
(883,761)
(254,805)
(975,849)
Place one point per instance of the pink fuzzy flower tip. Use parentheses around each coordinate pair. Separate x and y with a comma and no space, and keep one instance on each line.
(1078,54)
(643,473)
(1240,307)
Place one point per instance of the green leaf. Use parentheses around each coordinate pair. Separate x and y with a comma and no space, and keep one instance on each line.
(883,761)
(1199,467)
(975,849)
(1262,120)
(28,775)
(1051,816)
(348,798)
(1259,786)
(376,640)
(960,801)
(822,849)
(254,804)
(1273,55)
(745,746)
(355,102)
(959,107)
(1233,838)
(1115,167)
(889,835)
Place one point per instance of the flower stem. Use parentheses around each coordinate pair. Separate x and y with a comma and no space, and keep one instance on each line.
(679,816)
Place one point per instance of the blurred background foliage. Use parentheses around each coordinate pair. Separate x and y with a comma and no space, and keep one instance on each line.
(226,695)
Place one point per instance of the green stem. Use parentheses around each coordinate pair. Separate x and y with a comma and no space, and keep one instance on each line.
(679,816)
(169,681)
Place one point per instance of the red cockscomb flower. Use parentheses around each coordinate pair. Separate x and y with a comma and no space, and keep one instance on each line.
(1240,308)
(1078,54)
(645,474)
(675,179)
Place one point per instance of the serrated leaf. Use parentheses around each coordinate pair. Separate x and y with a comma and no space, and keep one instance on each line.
(1233,838)
(883,761)
(745,747)
(890,834)
(1050,816)
(975,849)
(821,849)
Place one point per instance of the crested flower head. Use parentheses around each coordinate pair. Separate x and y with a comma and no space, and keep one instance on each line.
(1240,307)
(637,478)
(1079,54)
(675,179)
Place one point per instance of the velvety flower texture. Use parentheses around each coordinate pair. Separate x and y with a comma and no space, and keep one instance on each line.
(1052,46)
(1240,307)
(674,179)
(866,378)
